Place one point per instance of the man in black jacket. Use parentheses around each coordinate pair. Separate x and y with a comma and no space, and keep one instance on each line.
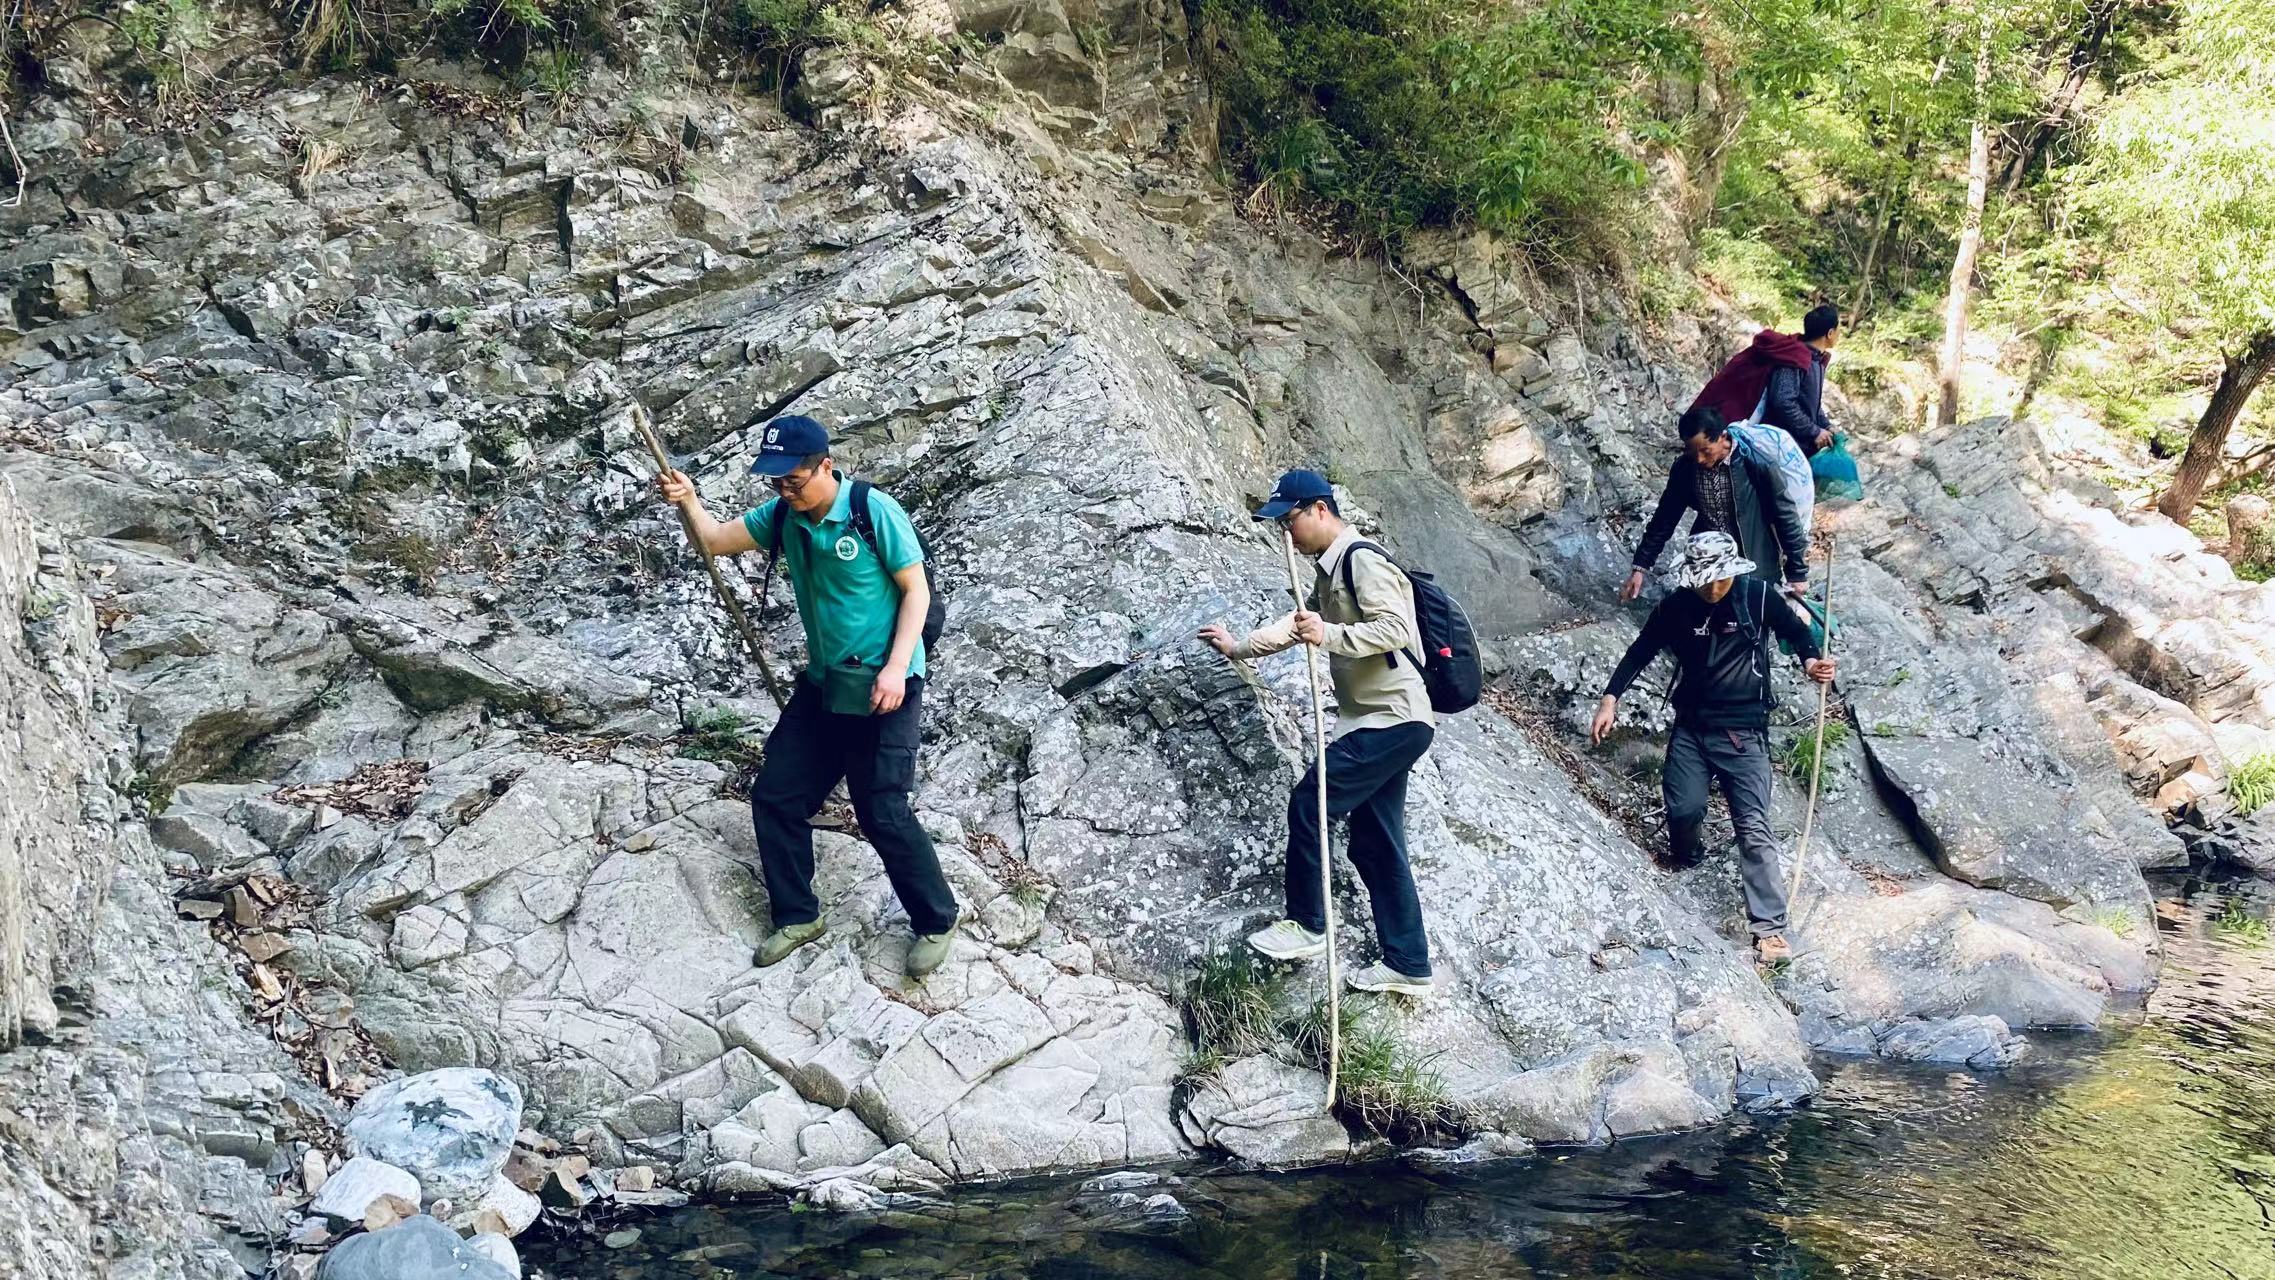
(1732,494)
(1718,630)
(1795,398)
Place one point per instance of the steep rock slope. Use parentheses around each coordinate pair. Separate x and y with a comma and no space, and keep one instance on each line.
(394,355)
(350,446)
(138,1110)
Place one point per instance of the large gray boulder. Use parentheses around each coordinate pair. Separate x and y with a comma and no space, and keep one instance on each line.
(452,1128)
(417,1248)
(1267,1112)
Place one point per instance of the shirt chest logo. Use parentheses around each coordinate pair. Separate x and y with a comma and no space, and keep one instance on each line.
(847,547)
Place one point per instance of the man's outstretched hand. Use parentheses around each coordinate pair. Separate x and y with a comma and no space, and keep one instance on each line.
(1606,712)
(1219,639)
(1631,588)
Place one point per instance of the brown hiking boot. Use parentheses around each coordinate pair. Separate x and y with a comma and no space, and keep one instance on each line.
(1771,948)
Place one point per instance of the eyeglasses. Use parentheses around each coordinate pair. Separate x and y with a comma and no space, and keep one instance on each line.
(793,482)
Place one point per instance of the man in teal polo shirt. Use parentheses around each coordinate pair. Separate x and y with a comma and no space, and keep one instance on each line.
(863,596)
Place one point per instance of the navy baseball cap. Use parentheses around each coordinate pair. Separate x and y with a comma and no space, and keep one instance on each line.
(788,441)
(1295,489)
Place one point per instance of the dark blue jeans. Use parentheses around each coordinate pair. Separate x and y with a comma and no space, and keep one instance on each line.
(809,752)
(1366,782)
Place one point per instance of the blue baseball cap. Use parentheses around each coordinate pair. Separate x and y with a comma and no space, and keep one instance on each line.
(1295,489)
(788,441)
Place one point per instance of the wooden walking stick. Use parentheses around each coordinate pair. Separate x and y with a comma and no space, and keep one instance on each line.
(1817,761)
(1326,879)
(711,563)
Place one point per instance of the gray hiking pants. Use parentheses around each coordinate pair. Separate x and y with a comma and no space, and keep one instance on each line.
(1738,759)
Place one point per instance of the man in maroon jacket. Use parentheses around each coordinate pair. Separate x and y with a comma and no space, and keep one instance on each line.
(1783,376)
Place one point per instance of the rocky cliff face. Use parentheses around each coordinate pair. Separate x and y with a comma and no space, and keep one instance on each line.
(138,1110)
(341,434)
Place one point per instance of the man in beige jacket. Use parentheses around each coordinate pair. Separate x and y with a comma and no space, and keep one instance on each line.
(1362,614)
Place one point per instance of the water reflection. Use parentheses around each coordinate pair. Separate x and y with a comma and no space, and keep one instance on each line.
(2144,1152)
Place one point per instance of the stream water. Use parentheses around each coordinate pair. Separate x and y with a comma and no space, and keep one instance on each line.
(2144,1151)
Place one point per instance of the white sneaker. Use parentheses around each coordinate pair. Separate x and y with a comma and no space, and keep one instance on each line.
(1381,977)
(1288,940)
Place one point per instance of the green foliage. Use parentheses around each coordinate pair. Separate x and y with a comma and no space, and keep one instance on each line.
(1758,279)
(154,796)
(165,26)
(1384,1087)
(1231,1005)
(500,17)
(2116,920)
(40,605)
(1401,114)
(1663,290)
(784,28)
(718,734)
(2251,784)
(2145,252)
(1800,755)
(416,555)
(557,73)
(2181,177)
(165,35)
(337,35)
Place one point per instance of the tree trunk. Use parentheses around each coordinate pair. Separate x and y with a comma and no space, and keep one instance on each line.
(1970,236)
(2041,363)
(2101,19)
(2240,375)
(1880,226)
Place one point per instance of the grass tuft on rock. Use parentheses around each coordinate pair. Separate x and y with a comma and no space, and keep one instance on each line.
(720,735)
(1386,1087)
(1231,1005)
(2252,784)
(1800,755)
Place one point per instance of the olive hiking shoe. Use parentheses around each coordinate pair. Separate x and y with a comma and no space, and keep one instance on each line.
(780,943)
(930,950)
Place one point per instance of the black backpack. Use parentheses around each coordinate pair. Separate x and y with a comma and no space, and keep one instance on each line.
(1452,674)
(935,617)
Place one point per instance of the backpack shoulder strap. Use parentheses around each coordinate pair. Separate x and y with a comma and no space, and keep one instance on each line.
(1348,585)
(1352,550)
(1755,610)
(778,523)
(863,523)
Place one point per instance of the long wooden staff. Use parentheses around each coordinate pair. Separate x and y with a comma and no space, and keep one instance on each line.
(1326,880)
(711,563)
(1817,761)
